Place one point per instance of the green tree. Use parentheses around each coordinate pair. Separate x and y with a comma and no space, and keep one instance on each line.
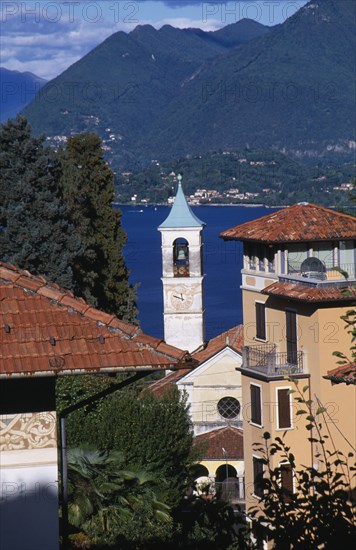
(37,234)
(150,432)
(106,499)
(101,276)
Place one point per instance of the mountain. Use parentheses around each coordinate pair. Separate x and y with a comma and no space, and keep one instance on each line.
(129,80)
(292,89)
(18,89)
(163,94)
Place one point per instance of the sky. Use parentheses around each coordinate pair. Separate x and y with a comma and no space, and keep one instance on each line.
(46,37)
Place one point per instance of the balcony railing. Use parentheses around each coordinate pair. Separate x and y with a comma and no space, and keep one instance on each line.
(330,272)
(266,360)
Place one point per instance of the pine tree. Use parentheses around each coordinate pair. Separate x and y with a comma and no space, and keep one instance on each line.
(36,232)
(101,276)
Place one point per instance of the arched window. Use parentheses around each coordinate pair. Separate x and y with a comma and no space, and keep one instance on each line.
(181,258)
(225,471)
(198,470)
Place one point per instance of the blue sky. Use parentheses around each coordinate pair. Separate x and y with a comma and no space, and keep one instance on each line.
(47,37)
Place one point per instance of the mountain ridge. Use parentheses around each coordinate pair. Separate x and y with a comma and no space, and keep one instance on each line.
(167,93)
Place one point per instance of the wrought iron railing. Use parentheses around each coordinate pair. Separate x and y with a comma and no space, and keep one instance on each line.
(266,360)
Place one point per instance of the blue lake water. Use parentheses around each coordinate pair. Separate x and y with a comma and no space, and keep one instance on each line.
(222,264)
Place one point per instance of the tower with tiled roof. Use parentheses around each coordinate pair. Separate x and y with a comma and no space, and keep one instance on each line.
(298,280)
(182,275)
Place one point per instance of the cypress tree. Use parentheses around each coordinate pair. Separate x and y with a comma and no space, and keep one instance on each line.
(101,276)
(36,232)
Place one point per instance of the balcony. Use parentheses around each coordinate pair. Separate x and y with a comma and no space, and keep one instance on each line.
(267,361)
(321,274)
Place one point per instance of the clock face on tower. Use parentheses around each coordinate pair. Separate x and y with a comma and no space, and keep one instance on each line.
(181,299)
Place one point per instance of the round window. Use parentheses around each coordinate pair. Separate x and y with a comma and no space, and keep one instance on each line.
(229,407)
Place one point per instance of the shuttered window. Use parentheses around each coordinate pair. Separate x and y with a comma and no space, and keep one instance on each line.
(284,418)
(256,413)
(287,480)
(258,477)
(260,321)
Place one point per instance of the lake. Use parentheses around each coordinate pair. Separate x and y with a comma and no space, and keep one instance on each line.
(222,263)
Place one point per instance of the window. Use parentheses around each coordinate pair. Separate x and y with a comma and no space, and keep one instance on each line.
(260,321)
(287,480)
(229,407)
(258,477)
(181,258)
(256,413)
(291,336)
(283,400)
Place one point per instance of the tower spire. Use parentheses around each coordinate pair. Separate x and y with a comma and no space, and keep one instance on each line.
(181,215)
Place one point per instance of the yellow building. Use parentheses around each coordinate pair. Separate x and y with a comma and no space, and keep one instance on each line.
(298,280)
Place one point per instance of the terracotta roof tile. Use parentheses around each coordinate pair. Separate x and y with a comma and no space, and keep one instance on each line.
(298,223)
(35,310)
(163,385)
(229,438)
(306,293)
(345,374)
(234,338)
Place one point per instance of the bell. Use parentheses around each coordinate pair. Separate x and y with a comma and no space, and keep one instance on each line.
(181,254)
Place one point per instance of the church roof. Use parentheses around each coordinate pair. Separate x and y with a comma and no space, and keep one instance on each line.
(212,443)
(181,215)
(299,223)
(46,330)
(232,338)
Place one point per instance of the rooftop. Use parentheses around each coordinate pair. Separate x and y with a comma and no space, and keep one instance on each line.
(229,438)
(181,215)
(344,374)
(299,223)
(232,338)
(46,330)
(309,293)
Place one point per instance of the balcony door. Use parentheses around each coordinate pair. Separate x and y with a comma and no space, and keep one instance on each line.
(291,336)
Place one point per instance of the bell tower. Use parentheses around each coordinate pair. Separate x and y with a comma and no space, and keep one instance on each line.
(182,275)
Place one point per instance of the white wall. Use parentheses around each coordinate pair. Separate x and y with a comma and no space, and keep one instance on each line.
(28,482)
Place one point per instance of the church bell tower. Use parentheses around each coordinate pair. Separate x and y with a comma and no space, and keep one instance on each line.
(182,275)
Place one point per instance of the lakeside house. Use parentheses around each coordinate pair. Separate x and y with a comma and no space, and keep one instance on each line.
(298,281)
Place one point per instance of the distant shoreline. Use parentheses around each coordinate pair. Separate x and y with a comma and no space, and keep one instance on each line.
(252,205)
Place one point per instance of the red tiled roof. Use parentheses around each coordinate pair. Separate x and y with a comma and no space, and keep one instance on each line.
(229,438)
(345,374)
(306,293)
(163,385)
(234,338)
(46,330)
(298,223)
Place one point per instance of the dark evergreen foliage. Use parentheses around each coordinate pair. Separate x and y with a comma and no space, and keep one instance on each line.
(36,234)
(151,433)
(100,273)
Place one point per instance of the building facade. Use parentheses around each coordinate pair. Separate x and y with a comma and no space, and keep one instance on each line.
(297,282)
